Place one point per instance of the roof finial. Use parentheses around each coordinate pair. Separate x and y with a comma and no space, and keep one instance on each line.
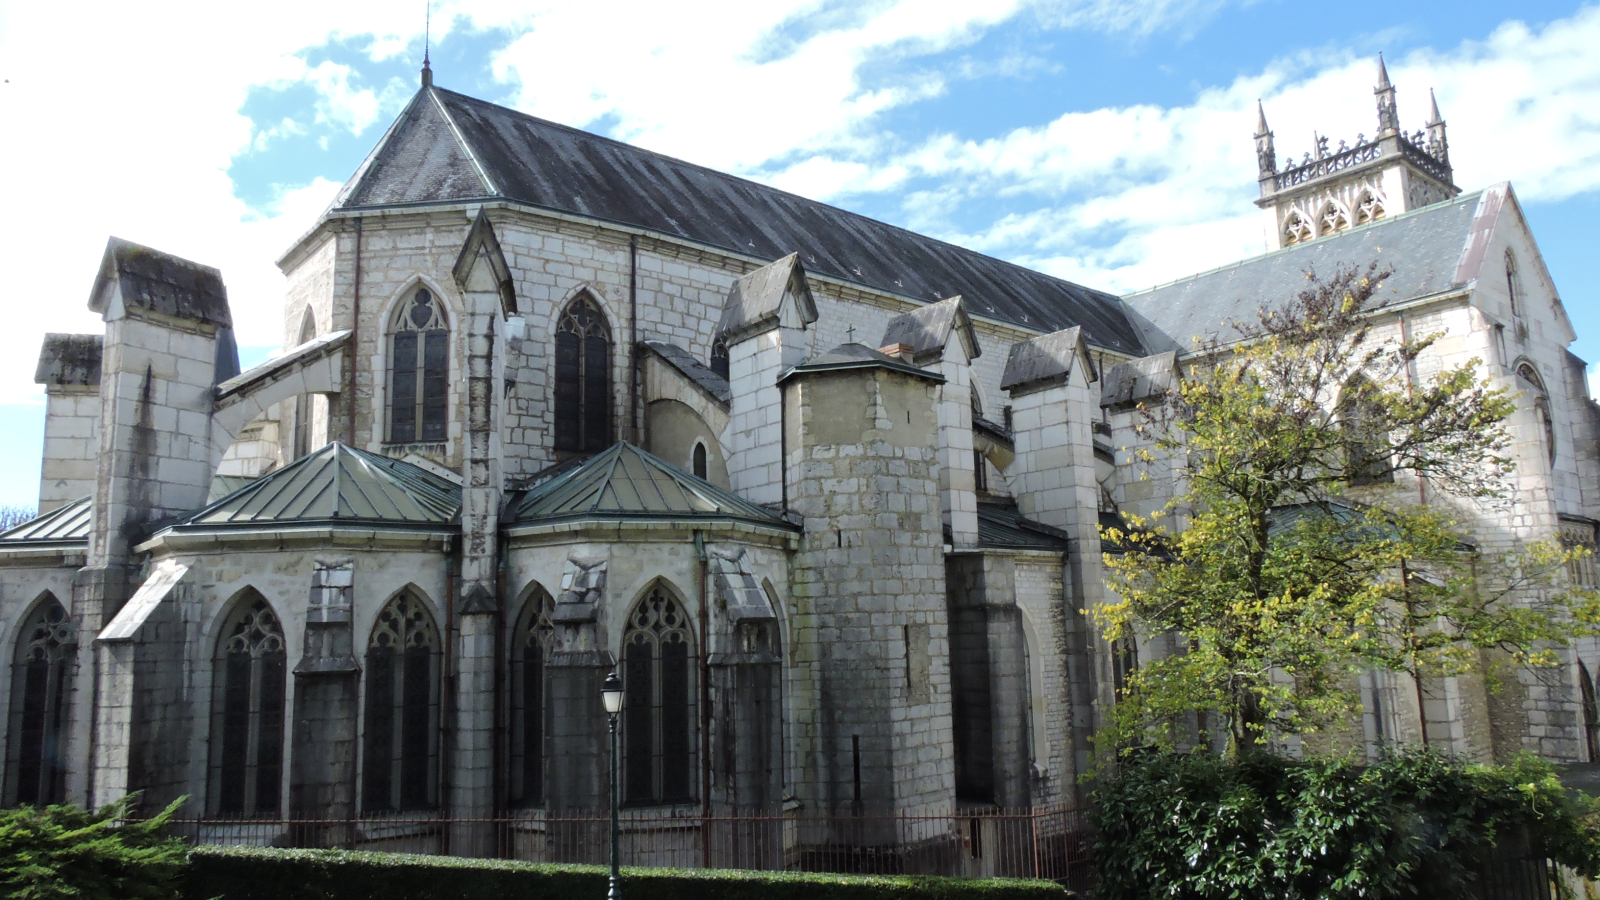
(1261,119)
(427,35)
(1435,118)
(1383,74)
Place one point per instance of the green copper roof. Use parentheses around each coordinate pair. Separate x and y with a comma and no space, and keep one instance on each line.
(337,485)
(625,482)
(67,524)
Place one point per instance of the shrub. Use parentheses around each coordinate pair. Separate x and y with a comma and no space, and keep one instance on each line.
(68,852)
(1415,823)
(266,874)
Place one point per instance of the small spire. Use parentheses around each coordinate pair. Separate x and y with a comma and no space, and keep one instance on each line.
(1261,119)
(1434,118)
(427,36)
(1383,74)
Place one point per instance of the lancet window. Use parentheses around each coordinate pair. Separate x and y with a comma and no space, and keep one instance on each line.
(1533,386)
(419,364)
(583,378)
(402,709)
(531,645)
(247,723)
(719,356)
(41,674)
(658,713)
(698,460)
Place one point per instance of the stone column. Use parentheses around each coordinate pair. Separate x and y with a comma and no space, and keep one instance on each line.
(323,745)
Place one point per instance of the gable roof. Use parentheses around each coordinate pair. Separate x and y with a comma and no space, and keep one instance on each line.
(625,482)
(859,356)
(337,485)
(448,147)
(66,524)
(1424,247)
(927,331)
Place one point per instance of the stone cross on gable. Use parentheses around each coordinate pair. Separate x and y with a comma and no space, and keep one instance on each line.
(850,334)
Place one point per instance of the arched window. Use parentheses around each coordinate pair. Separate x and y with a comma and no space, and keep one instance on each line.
(302,405)
(698,459)
(41,676)
(583,378)
(248,685)
(1533,385)
(1511,283)
(719,356)
(1367,451)
(530,649)
(419,369)
(402,709)
(1591,712)
(1333,219)
(1369,210)
(658,713)
(1296,230)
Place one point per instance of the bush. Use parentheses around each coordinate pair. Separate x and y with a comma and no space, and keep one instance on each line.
(68,852)
(1415,823)
(266,874)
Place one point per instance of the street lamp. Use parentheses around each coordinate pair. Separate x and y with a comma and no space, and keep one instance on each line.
(611,697)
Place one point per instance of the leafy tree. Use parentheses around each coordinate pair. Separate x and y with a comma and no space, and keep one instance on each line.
(1289,566)
(60,852)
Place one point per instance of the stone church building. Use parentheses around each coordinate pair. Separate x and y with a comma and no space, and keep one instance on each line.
(826,492)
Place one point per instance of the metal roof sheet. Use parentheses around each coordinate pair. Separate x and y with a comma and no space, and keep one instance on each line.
(67,524)
(626,482)
(341,485)
(1001,526)
(477,149)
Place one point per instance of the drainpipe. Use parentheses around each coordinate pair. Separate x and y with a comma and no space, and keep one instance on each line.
(354,348)
(705,702)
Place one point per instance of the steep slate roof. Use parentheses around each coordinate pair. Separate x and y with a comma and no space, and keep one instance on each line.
(449,147)
(161,282)
(858,356)
(337,485)
(1427,248)
(693,369)
(626,482)
(66,524)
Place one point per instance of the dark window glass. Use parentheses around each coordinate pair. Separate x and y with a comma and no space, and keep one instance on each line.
(250,682)
(1367,450)
(419,371)
(699,460)
(583,379)
(980,472)
(658,715)
(719,357)
(40,679)
(402,705)
(529,649)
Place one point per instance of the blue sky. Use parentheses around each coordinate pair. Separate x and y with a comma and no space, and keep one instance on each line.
(1104,142)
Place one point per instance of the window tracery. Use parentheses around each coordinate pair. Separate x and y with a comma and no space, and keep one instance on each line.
(583,378)
(1296,230)
(402,709)
(419,361)
(40,682)
(1333,219)
(248,713)
(1370,209)
(719,356)
(532,643)
(657,715)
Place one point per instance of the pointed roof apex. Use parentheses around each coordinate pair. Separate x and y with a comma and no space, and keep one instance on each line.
(1433,117)
(1383,75)
(1261,119)
(427,71)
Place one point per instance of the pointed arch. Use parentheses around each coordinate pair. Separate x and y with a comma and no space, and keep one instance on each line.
(1366,446)
(1296,230)
(583,416)
(1332,218)
(1533,385)
(698,461)
(532,641)
(249,687)
(658,716)
(1369,209)
(41,679)
(400,735)
(1591,712)
(418,340)
(719,355)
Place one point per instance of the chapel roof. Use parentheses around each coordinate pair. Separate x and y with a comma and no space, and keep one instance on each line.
(336,486)
(447,147)
(625,482)
(66,524)
(1429,249)
(859,356)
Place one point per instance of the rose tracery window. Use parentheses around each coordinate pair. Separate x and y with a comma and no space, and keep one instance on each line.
(41,676)
(419,363)
(659,709)
(251,669)
(402,701)
(583,378)
(530,649)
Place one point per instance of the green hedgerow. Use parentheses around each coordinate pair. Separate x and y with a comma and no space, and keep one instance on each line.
(69,853)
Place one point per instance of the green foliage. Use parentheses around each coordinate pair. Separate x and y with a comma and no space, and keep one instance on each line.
(250,874)
(1414,824)
(1294,556)
(61,852)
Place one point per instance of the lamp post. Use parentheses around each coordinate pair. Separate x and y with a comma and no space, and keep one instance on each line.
(611,696)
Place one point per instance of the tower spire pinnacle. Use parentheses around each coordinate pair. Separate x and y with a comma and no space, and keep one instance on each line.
(427,40)
(1383,75)
(1261,119)
(1388,114)
(1266,154)
(1433,117)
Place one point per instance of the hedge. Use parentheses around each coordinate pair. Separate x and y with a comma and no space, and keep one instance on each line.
(271,874)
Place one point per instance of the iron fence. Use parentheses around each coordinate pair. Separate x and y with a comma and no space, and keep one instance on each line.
(1052,842)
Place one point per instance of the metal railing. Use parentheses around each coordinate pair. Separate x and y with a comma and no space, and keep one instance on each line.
(1051,842)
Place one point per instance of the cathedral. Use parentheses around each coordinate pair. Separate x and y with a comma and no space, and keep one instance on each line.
(825,493)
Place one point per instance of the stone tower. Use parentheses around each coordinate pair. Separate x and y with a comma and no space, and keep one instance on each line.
(1331,190)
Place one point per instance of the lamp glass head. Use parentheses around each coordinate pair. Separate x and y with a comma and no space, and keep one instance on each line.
(611,694)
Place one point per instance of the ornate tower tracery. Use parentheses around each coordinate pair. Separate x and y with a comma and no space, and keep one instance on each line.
(1331,190)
